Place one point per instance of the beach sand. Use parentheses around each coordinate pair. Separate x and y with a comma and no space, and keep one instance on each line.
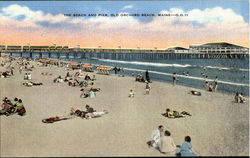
(217,127)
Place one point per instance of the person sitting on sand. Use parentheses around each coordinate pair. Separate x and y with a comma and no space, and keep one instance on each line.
(89,109)
(242,98)
(186,148)
(156,137)
(210,88)
(84,94)
(131,94)
(167,144)
(20,108)
(5,107)
(175,114)
(87,77)
(92,94)
(93,78)
(29,76)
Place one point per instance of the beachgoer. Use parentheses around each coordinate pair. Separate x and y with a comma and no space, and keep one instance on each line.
(186,148)
(29,76)
(147,76)
(131,94)
(20,108)
(92,94)
(174,76)
(175,114)
(95,114)
(196,93)
(89,109)
(215,83)
(156,137)
(147,88)
(206,83)
(167,144)
(242,98)
(210,88)
(236,97)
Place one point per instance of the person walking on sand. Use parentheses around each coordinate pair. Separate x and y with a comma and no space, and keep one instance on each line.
(174,76)
(147,88)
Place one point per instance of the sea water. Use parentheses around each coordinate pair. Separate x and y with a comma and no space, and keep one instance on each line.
(233,74)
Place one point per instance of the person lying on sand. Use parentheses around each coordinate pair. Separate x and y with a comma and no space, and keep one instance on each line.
(59,79)
(95,89)
(5,74)
(30,84)
(46,73)
(195,93)
(87,115)
(57,118)
(175,114)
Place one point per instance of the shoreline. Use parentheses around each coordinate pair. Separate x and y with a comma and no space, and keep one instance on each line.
(214,128)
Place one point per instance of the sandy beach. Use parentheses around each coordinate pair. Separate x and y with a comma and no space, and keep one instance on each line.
(218,126)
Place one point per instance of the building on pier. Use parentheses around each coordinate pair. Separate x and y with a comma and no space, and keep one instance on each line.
(219,47)
(178,50)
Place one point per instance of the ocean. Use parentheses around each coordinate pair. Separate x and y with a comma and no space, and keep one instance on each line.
(233,74)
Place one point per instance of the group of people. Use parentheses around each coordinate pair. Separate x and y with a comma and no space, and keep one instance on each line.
(175,114)
(12,107)
(239,98)
(5,74)
(89,93)
(162,141)
(147,89)
(88,113)
(211,87)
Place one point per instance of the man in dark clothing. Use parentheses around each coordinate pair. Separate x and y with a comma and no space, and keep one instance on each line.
(147,76)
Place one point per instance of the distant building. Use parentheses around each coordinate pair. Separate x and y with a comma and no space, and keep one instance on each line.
(220,47)
(178,50)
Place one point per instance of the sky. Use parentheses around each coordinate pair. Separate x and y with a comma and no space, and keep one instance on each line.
(46,23)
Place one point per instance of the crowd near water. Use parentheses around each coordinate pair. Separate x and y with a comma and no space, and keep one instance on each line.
(232,74)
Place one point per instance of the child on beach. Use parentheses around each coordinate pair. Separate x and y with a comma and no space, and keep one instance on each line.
(147,88)
(131,94)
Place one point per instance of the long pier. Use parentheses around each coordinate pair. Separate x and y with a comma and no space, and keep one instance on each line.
(125,56)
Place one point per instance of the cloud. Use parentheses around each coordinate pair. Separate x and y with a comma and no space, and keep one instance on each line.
(14,11)
(200,25)
(128,6)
